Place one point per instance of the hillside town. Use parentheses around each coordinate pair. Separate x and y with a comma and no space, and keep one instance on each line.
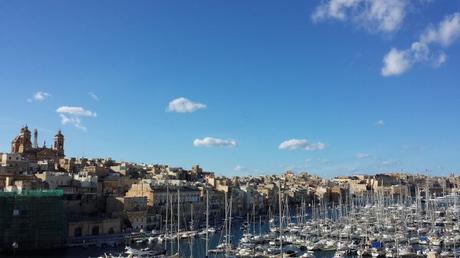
(80,200)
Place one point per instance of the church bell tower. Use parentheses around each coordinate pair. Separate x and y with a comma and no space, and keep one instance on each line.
(59,144)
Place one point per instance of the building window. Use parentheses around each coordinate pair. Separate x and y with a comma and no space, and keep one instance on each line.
(77,232)
(111,231)
(95,231)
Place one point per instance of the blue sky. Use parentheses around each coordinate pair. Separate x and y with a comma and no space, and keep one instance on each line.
(331,87)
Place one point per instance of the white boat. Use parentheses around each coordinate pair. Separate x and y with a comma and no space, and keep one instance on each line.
(152,239)
(139,253)
(406,252)
(377,252)
(364,251)
(315,246)
(308,254)
(161,238)
(330,245)
(340,254)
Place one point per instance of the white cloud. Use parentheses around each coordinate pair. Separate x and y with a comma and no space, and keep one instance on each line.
(93,96)
(73,121)
(375,15)
(72,115)
(447,31)
(76,111)
(362,155)
(380,123)
(388,15)
(293,144)
(397,62)
(238,168)
(184,105)
(334,9)
(441,59)
(39,96)
(389,163)
(214,142)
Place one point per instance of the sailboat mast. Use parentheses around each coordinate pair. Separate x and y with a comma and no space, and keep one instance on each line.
(172,218)
(191,216)
(280,218)
(226,223)
(178,220)
(254,218)
(260,225)
(191,229)
(230,224)
(166,223)
(207,221)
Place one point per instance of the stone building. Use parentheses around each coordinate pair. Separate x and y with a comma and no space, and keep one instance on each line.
(160,197)
(55,179)
(14,164)
(22,144)
(93,226)
(136,211)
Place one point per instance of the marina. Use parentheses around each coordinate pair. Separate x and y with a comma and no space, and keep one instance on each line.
(372,226)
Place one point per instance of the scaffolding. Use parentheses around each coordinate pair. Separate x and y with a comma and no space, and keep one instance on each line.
(32,220)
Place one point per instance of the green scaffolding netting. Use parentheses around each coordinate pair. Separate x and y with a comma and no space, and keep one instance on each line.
(33,219)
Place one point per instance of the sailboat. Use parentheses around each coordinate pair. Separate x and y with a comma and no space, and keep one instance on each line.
(225,246)
(165,236)
(177,254)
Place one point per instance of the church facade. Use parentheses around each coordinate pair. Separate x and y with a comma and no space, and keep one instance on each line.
(22,144)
